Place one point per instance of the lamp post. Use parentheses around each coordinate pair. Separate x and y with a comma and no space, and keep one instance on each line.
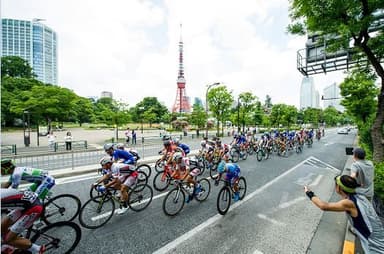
(27,128)
(206,105)
(141,117)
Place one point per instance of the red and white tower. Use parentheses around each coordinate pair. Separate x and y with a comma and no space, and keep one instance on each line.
(181,104)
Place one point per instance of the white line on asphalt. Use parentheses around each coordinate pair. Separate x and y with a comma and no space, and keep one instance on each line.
(257,252)
(291,202)
(317,180)
(328,166)
(170,246)
(328,144)
(264,217)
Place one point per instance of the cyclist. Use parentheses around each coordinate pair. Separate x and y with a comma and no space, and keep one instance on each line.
(41,181)
(183,146)
(122,177)
(120,155)
(26,208)
(232,175)
(182,171)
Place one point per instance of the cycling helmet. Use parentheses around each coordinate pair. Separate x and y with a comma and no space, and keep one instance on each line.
(221,167)
(166,137)
(105,160)
(177,156)
(108,146)
(218,142)
(120,146)
(203,143)
(6,166)
(177,141)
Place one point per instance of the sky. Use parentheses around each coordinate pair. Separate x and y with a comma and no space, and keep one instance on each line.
(130,47)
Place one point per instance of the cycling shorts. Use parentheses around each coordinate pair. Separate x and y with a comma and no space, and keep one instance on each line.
(232,177)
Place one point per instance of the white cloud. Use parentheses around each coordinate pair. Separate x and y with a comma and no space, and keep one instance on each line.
(131,47)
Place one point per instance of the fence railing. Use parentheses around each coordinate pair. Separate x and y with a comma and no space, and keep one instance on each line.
(62,159)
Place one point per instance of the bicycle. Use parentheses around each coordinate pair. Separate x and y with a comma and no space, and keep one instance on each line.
(227,192)
(63,207)
(263,152)
(174,201)
(94,192)
(163,178)
(99,210)
(59,237)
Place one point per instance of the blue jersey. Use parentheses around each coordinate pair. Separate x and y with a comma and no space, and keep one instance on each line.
(126,156)
(185,148)
(233,171)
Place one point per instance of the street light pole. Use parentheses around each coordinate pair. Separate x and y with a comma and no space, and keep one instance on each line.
(206,106)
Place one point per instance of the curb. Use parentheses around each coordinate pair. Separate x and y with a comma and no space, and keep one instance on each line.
(349,246)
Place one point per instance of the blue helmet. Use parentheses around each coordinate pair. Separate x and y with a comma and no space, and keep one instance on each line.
(221,167)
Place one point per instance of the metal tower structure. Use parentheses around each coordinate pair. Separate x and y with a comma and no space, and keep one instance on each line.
(181,104)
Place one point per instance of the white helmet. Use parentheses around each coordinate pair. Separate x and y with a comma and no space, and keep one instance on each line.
(203,143)
(177,156)
(105,160)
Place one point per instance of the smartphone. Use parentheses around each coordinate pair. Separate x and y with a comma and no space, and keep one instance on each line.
(349,150)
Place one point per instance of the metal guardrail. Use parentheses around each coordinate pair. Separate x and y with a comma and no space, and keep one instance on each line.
(77,158)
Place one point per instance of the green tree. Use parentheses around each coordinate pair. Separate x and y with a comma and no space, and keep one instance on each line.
(331,116)
(45,102)
(359,93)
(83,110)
(343,23)
(220,101)
(17,67)
(312,116)
(247,104)
(149,104)
(198,116)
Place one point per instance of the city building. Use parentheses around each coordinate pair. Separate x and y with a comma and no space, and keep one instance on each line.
(309,96)
(106,94)
(35,43)
(332,98)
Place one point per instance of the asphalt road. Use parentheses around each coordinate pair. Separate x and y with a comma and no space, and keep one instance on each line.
(274,217)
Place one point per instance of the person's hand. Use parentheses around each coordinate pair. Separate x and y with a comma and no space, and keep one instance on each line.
(306,188)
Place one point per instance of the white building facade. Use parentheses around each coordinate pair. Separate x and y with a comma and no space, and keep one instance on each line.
(309,96)
(332,97)
(35,43)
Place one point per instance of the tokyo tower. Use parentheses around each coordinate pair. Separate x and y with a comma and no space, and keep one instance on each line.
(181,104)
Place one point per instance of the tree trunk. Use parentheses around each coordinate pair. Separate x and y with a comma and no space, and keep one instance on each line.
(377,127)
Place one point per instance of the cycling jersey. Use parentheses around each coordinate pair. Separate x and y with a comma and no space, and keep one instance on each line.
(42,181)
(185,148)
(126,156)
(26,208)
(232,173)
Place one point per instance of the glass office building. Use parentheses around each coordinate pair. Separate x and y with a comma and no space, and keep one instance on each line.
(34,42)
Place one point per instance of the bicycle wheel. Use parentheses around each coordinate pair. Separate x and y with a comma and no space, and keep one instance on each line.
(205,190)
(259,155)
(224,200)
(159,165)
(97,211)
(142,178)
(140,197)
(213,171)
(266,153)
(235,155)
(174,202)
(244,155)
(64,207)
(242,184)
(161,181)
(145,168)
(60,237)
(250,150)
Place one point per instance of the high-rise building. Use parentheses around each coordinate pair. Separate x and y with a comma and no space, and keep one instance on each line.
(34,42)
(309,96)
(332,97)
(106,94)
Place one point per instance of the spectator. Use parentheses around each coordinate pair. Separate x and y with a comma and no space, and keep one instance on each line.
(127,135)
(133,137)
(68,141)
(360,212)
(363,171)
(51,141)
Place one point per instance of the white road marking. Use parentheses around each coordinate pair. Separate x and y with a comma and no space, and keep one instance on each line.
(170,246)
(317,180)
(257,252)
(328,166)
(291,202)
(264,217)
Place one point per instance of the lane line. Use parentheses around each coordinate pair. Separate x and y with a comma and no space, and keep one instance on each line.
(275,222)
(317,180)
(173,244)
(291,202)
